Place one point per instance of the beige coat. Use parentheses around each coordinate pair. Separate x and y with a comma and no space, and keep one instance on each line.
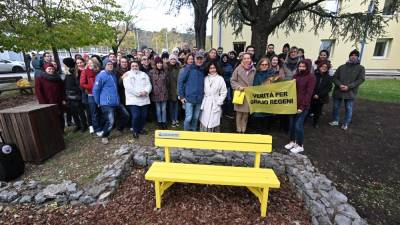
(241,78)
(214,95)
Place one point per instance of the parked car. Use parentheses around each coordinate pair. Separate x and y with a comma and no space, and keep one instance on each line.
(7,66)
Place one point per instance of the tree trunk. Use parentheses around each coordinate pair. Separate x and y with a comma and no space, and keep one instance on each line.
(200,23)
(115,49)
(56,58)
(69,51)
(259,39)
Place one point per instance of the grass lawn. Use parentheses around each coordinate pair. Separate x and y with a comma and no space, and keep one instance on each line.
(386,90)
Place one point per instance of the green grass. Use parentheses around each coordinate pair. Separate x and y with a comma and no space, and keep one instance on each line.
(387,90)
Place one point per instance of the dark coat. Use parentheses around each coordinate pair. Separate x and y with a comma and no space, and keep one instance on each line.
(50,91)
(72,87)
(173,74)
(352,75)
(160,82)
(305,84)
(323,86)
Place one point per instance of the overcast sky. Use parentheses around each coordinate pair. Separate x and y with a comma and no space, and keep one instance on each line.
(154,17)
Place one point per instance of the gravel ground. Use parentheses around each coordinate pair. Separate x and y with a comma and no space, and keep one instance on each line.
(134,203)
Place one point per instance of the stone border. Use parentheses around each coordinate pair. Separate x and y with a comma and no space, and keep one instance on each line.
(325,203)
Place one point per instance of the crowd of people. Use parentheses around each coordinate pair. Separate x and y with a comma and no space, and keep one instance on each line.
(123,91)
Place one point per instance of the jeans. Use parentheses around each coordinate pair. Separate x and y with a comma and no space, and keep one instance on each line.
(192,114)
(161,111)
(348,103)
(94,114)
(139,114)
(108,115)
(297,127)
(173,111)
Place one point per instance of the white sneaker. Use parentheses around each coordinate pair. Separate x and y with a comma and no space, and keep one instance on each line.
(334,123)
(297,149)
(104,141)
(290,145)
(345,127)
(91,130)
(99,134)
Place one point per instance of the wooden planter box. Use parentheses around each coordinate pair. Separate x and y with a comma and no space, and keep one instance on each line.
(35,129)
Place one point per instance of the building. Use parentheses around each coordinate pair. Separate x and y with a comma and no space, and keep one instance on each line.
(380,55)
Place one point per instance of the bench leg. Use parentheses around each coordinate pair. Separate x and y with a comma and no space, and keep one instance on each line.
(264,202)
(157,187)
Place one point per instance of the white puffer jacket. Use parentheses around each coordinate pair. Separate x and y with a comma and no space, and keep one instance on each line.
(134,83)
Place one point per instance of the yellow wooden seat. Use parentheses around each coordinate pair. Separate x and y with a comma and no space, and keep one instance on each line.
(257,180)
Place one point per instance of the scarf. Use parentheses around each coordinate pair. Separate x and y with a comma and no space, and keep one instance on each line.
(355,62)
(51,77)
(292,63)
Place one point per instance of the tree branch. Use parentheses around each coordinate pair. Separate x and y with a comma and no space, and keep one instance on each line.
(245,13)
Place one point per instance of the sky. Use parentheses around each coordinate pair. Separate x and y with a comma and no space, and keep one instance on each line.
(154,16)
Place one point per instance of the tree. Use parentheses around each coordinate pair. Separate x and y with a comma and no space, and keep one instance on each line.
(54,24)
(201,13)
(267,16)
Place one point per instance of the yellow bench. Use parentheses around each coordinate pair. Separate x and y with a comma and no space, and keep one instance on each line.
(257,180)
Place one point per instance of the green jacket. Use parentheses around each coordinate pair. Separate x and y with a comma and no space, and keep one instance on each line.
(351,75)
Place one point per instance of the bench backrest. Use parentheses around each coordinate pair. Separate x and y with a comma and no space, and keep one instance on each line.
(213,141)
(5,80)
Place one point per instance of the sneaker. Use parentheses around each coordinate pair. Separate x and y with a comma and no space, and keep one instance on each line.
(173,125)
(135,135)
(290,145)
(345,127)
(91,130)
(99,134)
(334,123)
(104,141)
(297,149)
(176,123)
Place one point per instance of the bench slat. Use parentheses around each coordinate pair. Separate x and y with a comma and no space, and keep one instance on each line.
(207,136)
(215,145)
(205,174)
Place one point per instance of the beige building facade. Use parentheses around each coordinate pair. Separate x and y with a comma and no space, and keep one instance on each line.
(380,57)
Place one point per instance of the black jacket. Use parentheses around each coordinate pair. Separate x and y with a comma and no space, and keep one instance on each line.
(72,88)
(323,86)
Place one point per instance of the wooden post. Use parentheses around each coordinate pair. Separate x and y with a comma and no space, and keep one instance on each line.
(167,155)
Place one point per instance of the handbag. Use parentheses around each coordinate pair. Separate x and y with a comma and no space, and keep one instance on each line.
(238,97)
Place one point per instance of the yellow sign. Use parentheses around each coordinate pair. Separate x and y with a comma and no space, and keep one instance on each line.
(275,98)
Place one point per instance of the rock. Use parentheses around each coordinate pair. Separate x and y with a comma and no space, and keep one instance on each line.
(124,149)
(324,220)
(110,173)
(40,198)
(97,190)
(104,195)
(348,210)
(308,186)
(61,199)
(86,199)
(139,159)
(359,222)
(342,220)
(71,187)
(8,196)
(317,209)
(26,199)
(314,221)
(337,197)
(218,158)
(75,196)
(313,195)
(52,190)
(18,184)
(32,184)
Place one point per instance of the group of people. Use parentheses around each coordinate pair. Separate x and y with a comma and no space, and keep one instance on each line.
(121,90)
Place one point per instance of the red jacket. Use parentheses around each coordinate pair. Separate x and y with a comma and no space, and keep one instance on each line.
(50,91)
(305,84)
(87,80)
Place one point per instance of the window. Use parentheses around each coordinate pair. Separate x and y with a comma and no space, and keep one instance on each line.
(328,45)
(382,48)
(333,6)
(239,46)
(388,8)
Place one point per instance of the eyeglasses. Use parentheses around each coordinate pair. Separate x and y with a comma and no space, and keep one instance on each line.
(264,64)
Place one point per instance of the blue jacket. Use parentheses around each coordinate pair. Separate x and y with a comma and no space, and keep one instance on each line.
(191,83)
(228,70)
(105,89)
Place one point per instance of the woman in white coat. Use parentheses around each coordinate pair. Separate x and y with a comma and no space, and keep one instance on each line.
(137,89)
(214,95)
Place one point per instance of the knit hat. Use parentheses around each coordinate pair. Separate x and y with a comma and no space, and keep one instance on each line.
(47,65)
(172,56)
(199,54)
(164,55)
(356,52)
(69,62)
(157,59)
